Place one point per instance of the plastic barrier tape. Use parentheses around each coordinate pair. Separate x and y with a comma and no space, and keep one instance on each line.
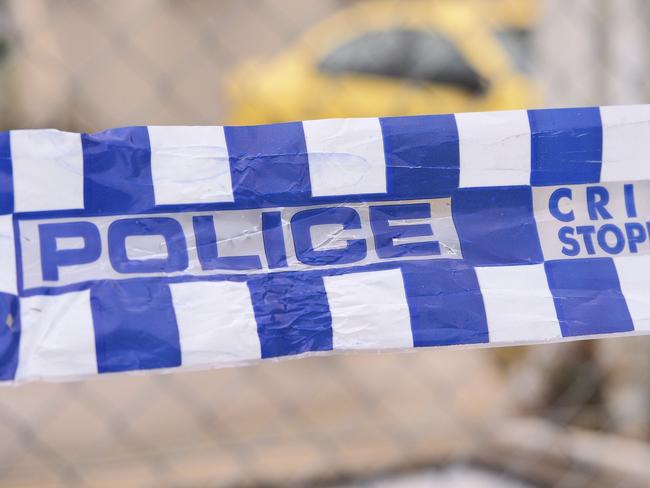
(161,247)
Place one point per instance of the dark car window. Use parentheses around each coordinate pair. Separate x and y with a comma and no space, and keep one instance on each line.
(517,43)
(423,56)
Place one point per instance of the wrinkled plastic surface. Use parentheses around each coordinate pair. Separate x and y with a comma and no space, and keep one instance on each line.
(162,247)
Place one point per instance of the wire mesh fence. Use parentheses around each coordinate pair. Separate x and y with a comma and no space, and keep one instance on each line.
(88,65)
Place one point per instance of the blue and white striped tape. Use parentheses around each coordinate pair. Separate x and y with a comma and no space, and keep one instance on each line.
(494,228)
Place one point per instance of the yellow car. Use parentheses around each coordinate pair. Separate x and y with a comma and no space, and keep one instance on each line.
(395,57)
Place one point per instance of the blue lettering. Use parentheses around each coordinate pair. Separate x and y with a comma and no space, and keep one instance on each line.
(574,247)
(169,229)
(586,231)
(636,234)
(554,205)
(274,246)
(385,233)
(597,198)
(52,258)
(617,233)
(630,204)
(206,248)
(301,224)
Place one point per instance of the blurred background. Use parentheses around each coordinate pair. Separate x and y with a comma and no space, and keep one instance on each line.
(576,414)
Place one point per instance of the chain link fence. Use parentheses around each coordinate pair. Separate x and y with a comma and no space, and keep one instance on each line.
(557,415)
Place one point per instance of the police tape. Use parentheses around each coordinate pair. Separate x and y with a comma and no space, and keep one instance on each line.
(163,247)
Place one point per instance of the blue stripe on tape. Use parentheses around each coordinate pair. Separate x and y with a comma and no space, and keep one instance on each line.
(6,175)
(117,169)
(588,297)
(292,313)
(135,326)
(422,155)
(445,303)
(269,164)
(566,146)
(496,225)
(9,335)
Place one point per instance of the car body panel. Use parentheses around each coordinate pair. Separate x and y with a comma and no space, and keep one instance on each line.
(291,86)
